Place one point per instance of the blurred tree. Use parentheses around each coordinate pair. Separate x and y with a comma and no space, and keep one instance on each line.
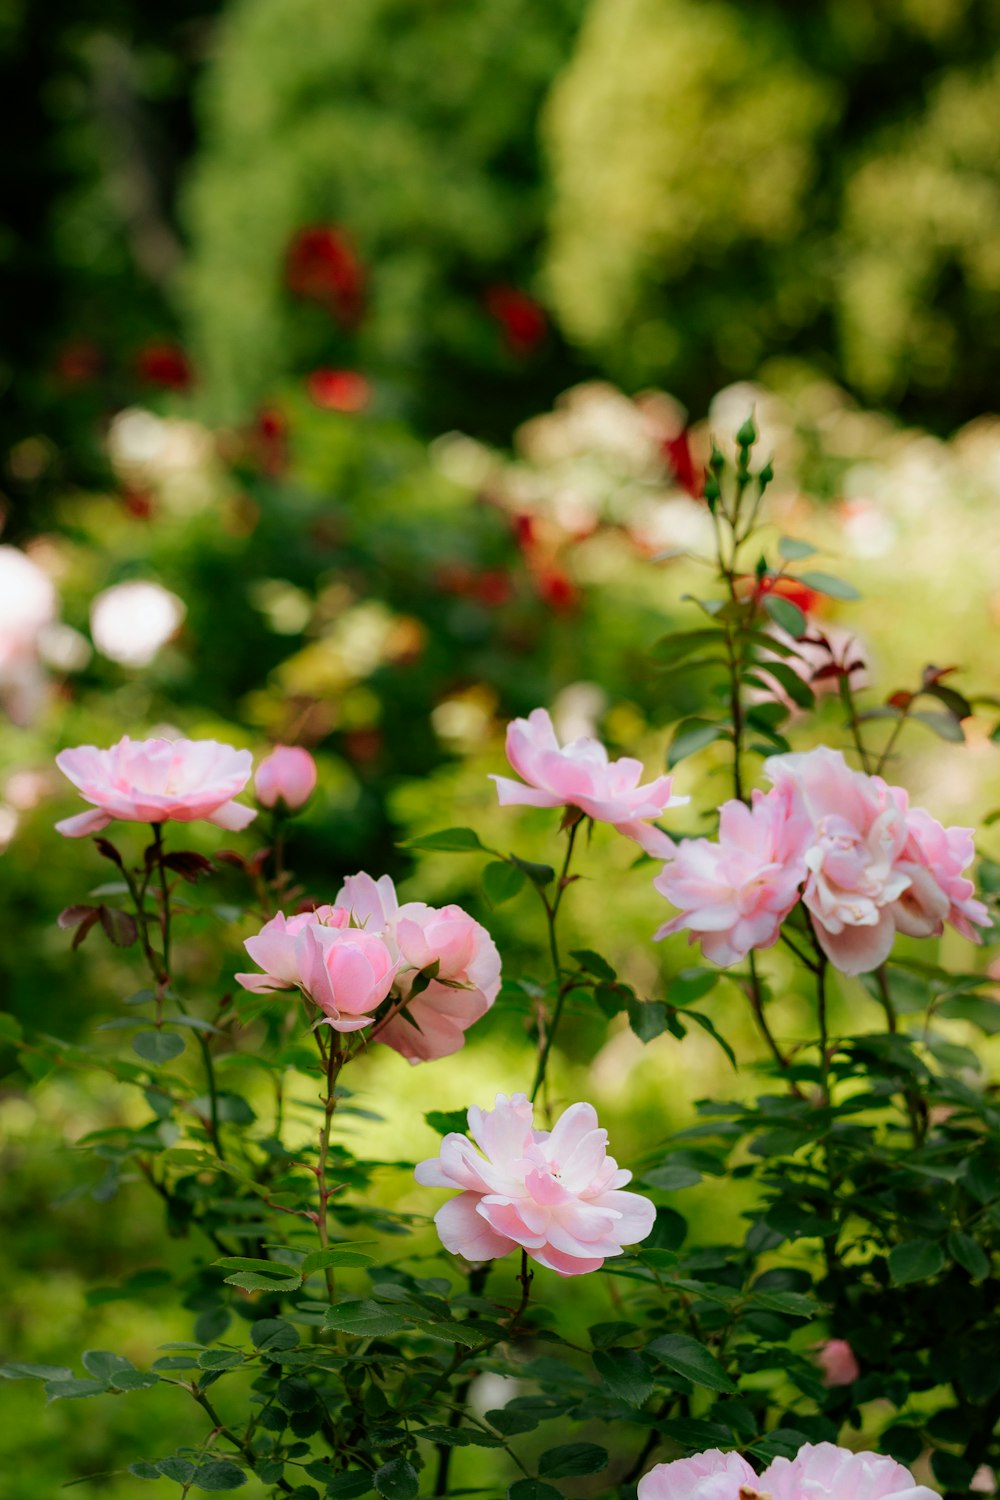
(405,133)
(735,182)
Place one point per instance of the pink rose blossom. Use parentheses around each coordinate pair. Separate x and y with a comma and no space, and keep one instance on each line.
(819,1471)
(735,894)
(836,1359)
(347,973)
(275,949)
(434,1021)
(157,781)
(581,775)
(859,832)
(554,1193)
(934,858)
(705,1476)
(287,777)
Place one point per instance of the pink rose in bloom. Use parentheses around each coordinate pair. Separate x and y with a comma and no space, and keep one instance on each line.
(287,777)
(434,1021)
(705,1476)
(735,894)
(819,1471)
(859,832)
(346,972)
(581,775)
(554,1193)
(934,858)
(275,948)
(157,781)
(836,1359)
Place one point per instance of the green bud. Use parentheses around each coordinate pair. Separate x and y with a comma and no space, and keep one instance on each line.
(713,494)
(766,475)
(761,568)
(716,463)
(747,435)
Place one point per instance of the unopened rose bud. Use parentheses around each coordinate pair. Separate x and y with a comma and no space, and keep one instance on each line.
(286,777)
(836,1360)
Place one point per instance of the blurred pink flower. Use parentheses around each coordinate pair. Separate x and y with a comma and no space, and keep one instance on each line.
(858,835)
(274,948)
(820,1471)
(346,972)
(433,1022)
(934,858)
(836,1359)
(157,781)
(704,1476)
(286,776)
(581,775)
(735,894)
(555,1193)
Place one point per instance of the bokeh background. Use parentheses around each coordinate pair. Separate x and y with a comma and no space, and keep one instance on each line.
(358,366)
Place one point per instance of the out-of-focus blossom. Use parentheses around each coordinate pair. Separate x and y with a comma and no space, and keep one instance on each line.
(580,775)
(28,605)
(131,621)
(983,1481)
(269,440)
(680,460)
(837,1361)
(735,894)
(163,363)
(321,266)
(78,362)
(820,1471)
(287,777)
(435,1016)
(557,1193)
(275,949)
(157,781)
(520,317)
(339,390)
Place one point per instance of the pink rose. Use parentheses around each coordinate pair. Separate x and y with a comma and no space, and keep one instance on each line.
(934,858)
(555,1193)
(433,1022)
(825,1472)
(347,973)
(705,1476)
(275,949)
(836,1359)
(859,831)
(820,1471)
(735,894)
(287,777)
(157,781)
(580,775)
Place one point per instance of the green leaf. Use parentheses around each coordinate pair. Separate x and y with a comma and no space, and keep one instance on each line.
(364,1319)
(795,686)
(144,1470)
(981,1012)
(532,1489)
(337,1255)
(592,963)
(103,1365)
(34,1372)
(10,1028)
(273,1333)
(969,1255)
(828,583)
(915,1260)
(448,841)
(537,874)
(786,614)
(461,1437)
(571,1460)
(944,725)
(624,1373)
(252,1281)
(219,1474)
(397,1480)
(220,1359)
(647,1018)
(685,1356)
(691,984)
(791,548)
(158,1046)
(692,735)
(502,881)
(707,1025)
(447,1121)
(350,1485)
(74,1389)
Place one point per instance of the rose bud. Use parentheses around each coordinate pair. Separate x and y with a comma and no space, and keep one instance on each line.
(287,777)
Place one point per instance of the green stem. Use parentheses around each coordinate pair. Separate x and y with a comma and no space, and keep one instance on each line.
(333,1060)
(824,1042)
(551,915)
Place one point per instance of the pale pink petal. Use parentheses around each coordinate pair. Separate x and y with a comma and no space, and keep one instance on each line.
(464,1232)
(232,816)
(83,823)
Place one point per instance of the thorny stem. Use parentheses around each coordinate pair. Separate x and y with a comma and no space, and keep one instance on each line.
(525,1277)
(551,914)
(239,1443)
(334,1058)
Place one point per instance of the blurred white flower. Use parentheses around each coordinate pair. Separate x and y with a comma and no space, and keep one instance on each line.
(131,621)
(8,825)
(27,604)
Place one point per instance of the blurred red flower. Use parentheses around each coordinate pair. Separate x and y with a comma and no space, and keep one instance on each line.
(521,319)
(677,452)
(164,363)
(78,362)
(339,390)
(321,266)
